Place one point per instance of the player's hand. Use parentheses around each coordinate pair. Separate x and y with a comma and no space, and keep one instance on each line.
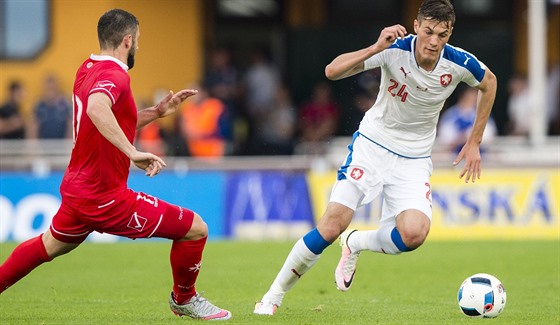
(389,35)
(149,162)
(472,169)
(169,104)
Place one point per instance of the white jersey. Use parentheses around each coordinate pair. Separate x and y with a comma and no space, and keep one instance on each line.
(405,115)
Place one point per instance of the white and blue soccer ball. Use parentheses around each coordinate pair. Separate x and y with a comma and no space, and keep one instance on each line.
(482,295)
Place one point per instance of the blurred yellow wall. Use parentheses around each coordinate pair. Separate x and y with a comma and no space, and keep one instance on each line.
(170,54)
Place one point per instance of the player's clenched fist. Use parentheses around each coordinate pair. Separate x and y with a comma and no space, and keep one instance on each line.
(388,36)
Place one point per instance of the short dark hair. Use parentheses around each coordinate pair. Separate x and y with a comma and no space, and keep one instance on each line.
(438,10)
(113,26)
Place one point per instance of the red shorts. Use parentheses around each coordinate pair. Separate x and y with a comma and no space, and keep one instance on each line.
(125,213)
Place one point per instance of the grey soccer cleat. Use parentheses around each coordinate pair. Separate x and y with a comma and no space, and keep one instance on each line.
(198,308)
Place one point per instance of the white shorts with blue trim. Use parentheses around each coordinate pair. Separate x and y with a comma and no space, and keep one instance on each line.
(370,170)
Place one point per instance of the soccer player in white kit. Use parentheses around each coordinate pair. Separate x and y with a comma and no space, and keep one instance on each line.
(390,152)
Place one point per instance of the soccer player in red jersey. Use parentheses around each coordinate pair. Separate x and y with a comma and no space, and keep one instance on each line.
(94,189)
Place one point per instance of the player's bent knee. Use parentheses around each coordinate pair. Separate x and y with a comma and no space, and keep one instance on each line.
(329,232)
(55,247)
(335,220)
(414,237)
(413,240)
(413,228)
(199,229)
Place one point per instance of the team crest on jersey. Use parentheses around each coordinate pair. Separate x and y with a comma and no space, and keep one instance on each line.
(106,84)
(137,222)
(445,79)
(357,173)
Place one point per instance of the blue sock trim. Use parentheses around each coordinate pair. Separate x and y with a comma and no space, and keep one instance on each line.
(397,240)
(315,242)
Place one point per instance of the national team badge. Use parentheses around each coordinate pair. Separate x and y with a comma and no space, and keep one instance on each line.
(357,173)
(137,222)
(445,79)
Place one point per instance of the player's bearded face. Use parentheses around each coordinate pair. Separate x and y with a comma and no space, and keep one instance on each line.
(132,50)
(130,57)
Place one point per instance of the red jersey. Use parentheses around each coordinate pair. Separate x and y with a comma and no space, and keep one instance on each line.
(97,167)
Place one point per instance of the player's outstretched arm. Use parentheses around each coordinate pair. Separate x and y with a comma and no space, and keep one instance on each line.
(100,113)
(167,106)
(348,64)
(471,150)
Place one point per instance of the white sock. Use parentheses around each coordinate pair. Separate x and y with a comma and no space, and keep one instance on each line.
(374,240)
(300,260)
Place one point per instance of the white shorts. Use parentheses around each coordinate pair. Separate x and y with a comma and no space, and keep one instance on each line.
(370,170)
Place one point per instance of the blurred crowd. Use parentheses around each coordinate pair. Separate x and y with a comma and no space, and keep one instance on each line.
(251,111)
(51,117)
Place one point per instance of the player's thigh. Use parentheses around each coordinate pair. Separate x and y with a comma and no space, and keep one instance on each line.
(414,226)
(345,198)
(139,215)
(363,167)
(409,191)
(55,247)
(198,230)
(346,193)
(67,226)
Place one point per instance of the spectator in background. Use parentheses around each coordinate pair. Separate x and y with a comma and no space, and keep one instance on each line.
(221,78)
(362,101)
(202,123)
(260,84)
(276,130)
(318,119)
(53,113)
(553,99)
(11,122)
(162,137)
(519,106)
(149,138)
(457,121)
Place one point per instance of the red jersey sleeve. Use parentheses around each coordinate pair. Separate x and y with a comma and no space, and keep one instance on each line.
(113,83)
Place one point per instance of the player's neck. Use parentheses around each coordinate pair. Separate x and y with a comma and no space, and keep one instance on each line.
(116,53)
(428,65)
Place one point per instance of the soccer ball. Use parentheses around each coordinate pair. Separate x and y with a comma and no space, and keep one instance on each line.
(482,295)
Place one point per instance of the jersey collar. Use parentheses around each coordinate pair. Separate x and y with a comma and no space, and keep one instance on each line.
(97,57)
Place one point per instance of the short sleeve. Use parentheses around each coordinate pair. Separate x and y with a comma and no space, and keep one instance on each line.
(375,61)
(473,69)
(113,83)
(383,57)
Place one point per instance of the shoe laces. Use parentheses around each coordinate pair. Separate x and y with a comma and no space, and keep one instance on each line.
(202,307)
(350,265)
(351,259)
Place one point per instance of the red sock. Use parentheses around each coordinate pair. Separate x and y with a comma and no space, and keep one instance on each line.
(25,257)
(186,258)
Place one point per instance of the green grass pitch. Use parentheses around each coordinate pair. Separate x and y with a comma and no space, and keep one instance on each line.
(129,283)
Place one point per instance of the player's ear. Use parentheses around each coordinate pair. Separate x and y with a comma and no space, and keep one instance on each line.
(127,41)
(416,25)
